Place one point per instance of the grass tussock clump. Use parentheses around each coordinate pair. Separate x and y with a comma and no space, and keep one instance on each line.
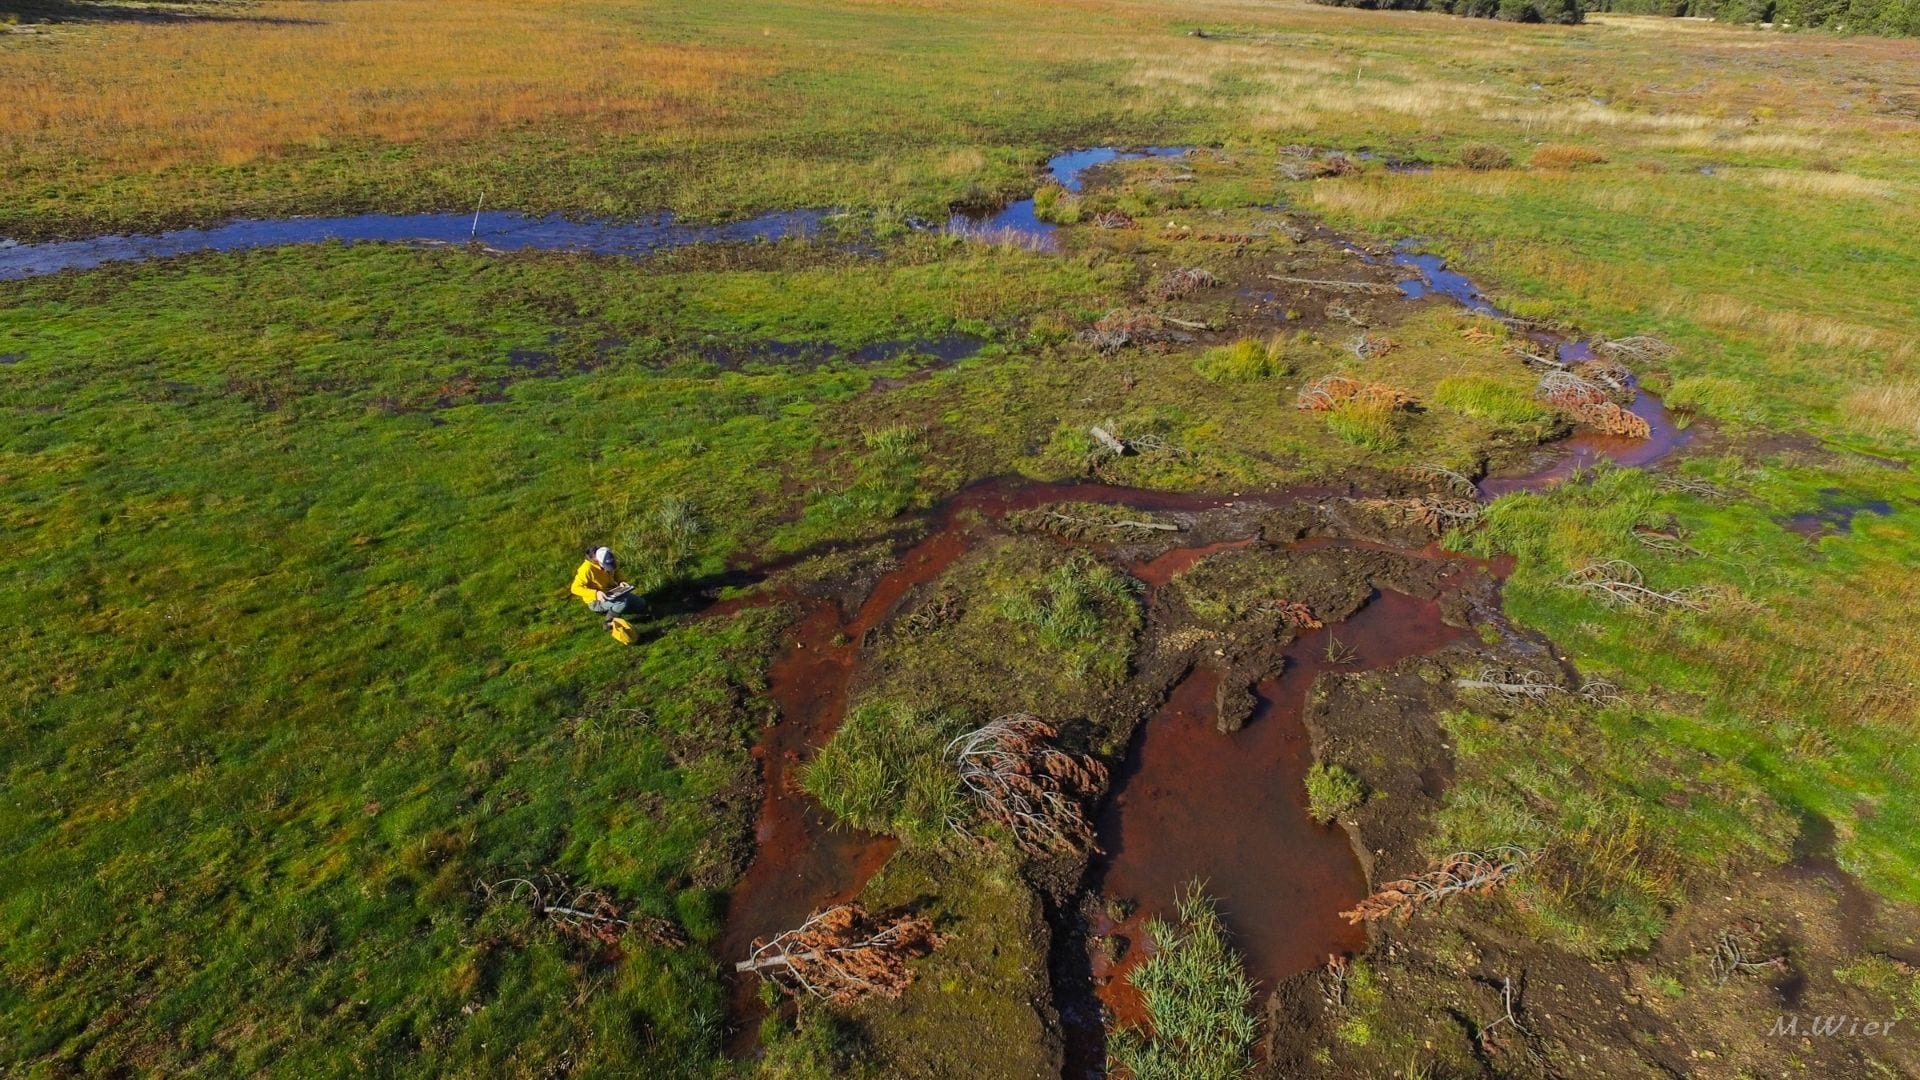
(1246,360)
(1565,156)
(1070,609)
(884,771)
(1181,283)
(1199,999)
(1485,157)
(1371,425)
(1332,791)
(1370,422)
(1364,414)
(1484,397)
(1056,204)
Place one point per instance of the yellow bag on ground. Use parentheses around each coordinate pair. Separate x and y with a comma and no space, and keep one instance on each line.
(623,631)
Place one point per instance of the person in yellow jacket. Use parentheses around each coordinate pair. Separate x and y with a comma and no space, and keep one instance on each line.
(597,583)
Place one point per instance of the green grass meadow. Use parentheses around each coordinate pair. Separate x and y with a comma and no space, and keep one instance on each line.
(289,671)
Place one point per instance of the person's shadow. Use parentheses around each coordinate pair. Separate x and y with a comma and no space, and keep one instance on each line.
(690,596)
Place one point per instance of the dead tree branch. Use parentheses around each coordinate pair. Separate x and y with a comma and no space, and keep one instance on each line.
(1089,523)
(1591,403)
(1599,692)
(1639,349)
(1337,286)
(1460,873)
(1488,1036)
(584,913)
(1437,474)
(1611,374)
(1730,958)
(844,954)
(1619,583)
(1547,360)
(1514,686)
(1689,485)
(1435,511)
(1294,613)
(1370,346)
(1335,971)
(1154,444)
(1667,541)
(1021,780)
(1520,686)
(1182,282)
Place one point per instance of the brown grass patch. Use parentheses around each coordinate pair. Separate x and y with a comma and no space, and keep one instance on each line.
(318,73)
(1889,409)
(1565,156)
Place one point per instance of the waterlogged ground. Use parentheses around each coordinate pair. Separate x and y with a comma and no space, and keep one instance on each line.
(294,691)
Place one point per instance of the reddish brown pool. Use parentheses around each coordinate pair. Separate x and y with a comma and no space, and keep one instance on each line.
(1229,811)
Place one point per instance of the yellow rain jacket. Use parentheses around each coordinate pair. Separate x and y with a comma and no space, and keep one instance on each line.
(591,578)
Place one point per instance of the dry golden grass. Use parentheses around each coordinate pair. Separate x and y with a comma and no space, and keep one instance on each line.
(1888,409)
(1791,329)
(308,74)
(1563,156)
(1365,198)
(1826,184)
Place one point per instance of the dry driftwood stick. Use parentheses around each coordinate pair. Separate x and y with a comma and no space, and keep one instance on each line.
(1089,523)
(1345,286)
(1108,439)
(1184,324)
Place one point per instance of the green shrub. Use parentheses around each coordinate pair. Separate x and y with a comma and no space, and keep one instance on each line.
(1332,791)
(1484,397)
(1370,422)
(1198,998)
(1246,360)
(885,771)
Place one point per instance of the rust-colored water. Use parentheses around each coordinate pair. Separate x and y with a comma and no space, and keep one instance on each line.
(1163,568)
(804,859)
(1585,449)
(1229,811)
